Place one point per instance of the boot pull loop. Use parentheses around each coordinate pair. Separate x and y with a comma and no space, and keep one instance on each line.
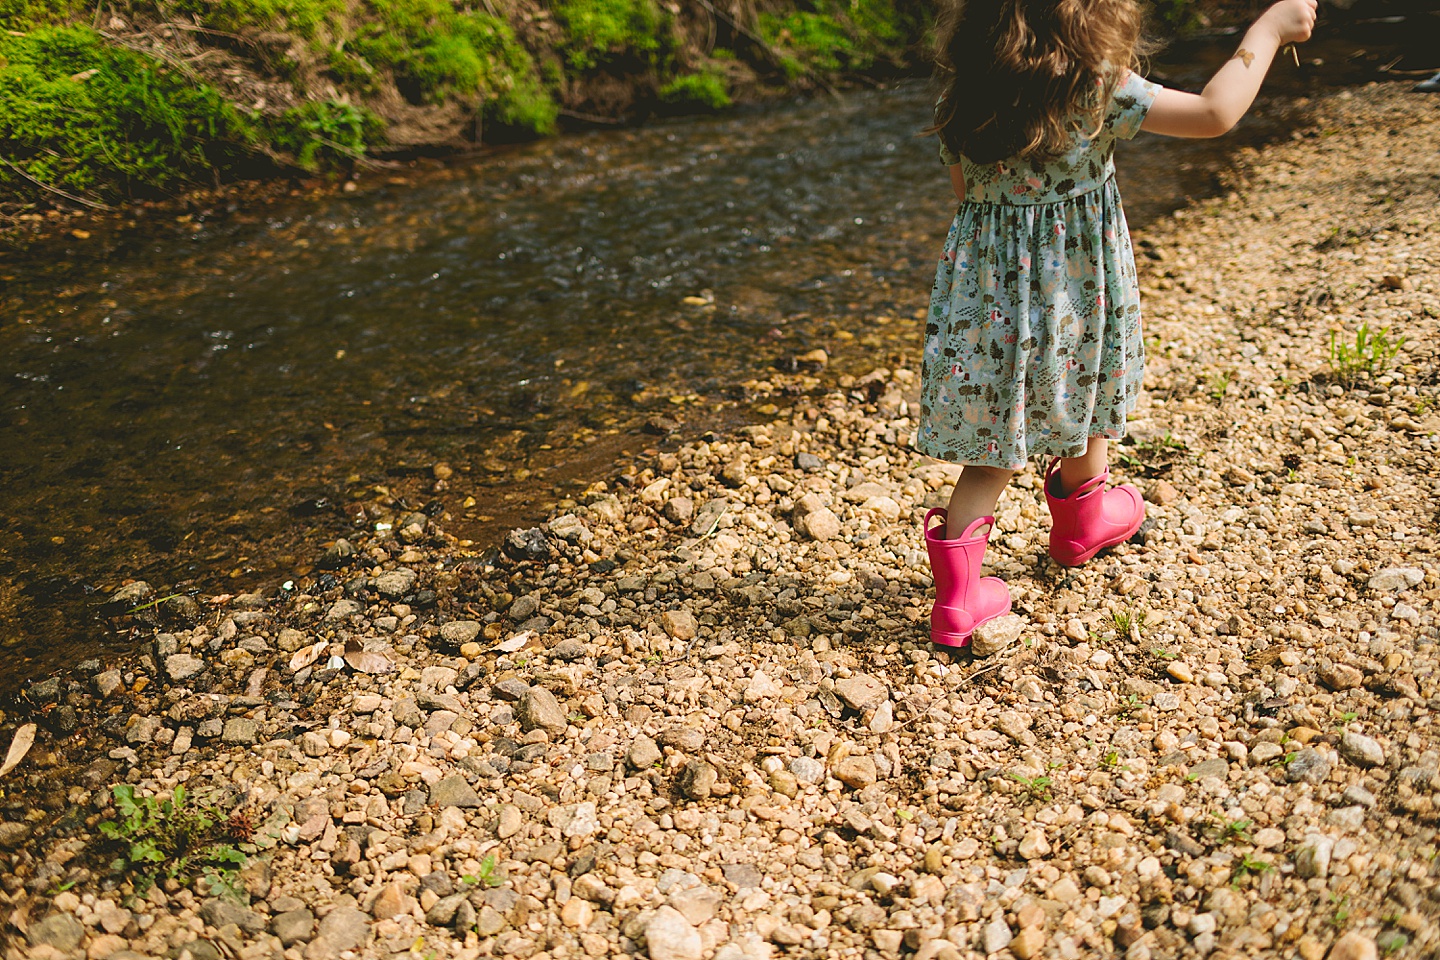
(934,512)
(976,524)
(1052,482)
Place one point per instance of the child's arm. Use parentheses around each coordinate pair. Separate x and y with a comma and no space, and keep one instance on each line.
(957,181)
(1231,91)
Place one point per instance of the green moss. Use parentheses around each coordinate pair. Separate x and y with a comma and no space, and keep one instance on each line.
(305,18)
(86,118)
(704,89)
(436,53)
(837,36)
(28,14)
(601,31)
(321,133)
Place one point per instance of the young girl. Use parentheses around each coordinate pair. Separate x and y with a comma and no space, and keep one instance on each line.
(1033,341)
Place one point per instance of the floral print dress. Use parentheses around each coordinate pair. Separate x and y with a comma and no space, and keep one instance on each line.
(1033,344)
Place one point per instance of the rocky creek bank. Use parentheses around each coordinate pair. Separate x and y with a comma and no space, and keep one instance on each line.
(695,714)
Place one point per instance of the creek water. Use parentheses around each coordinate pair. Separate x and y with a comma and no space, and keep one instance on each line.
(206,407)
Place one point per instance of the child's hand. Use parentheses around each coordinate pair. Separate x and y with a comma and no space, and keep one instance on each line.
(1292,20)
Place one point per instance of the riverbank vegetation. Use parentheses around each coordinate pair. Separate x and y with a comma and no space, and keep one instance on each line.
(105,102)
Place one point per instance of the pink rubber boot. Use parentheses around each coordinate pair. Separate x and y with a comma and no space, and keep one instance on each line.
(1091,518)
(963,598)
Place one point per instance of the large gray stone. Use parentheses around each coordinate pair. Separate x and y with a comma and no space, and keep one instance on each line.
(182,666)
(13,834)
(538,708)
(59,930)
(240,732)
(344,928)
(1361,750)
(456,633)
(395,583)
(454,791)
(219,911)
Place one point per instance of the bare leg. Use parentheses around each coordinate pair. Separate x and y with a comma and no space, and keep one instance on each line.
(975,494)
(1074,471)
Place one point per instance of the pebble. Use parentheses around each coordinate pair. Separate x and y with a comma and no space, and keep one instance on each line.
(1353,945)
(996,635)
(669,936)
(539,710)
(1361,750)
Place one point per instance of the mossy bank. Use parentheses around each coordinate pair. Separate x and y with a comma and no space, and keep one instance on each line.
(100,104)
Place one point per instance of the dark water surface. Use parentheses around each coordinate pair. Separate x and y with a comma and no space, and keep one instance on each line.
(205,410)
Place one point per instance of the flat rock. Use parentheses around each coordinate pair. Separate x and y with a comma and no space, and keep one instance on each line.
(343,928)
(395,584)
(456,633)
(679,624)
(1396,579)
(862,692)
(1309,765)
(182,666)
(219,911)
(454,791)
(240,731)
(60,931)
(856,772)
(293,926)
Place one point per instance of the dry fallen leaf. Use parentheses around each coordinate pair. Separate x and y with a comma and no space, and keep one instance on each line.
(516,642)
(307,655)
(24,740)
(368,661)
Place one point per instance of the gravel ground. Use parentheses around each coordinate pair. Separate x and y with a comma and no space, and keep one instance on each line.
(695,715)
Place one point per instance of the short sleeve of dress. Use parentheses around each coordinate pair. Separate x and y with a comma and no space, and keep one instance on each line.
(947,156)
(1129,105)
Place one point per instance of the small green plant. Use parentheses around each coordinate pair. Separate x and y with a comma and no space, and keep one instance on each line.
(1037,787)
(1370,356)
(176,838)
(1128,706)
(1127,622)
(1392,941)
(1218,384)
(485,877)
(1250,866)
(1163,654)
(1340,914)
(1227,831)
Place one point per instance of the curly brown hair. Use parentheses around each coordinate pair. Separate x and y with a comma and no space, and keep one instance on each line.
(1022,77)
